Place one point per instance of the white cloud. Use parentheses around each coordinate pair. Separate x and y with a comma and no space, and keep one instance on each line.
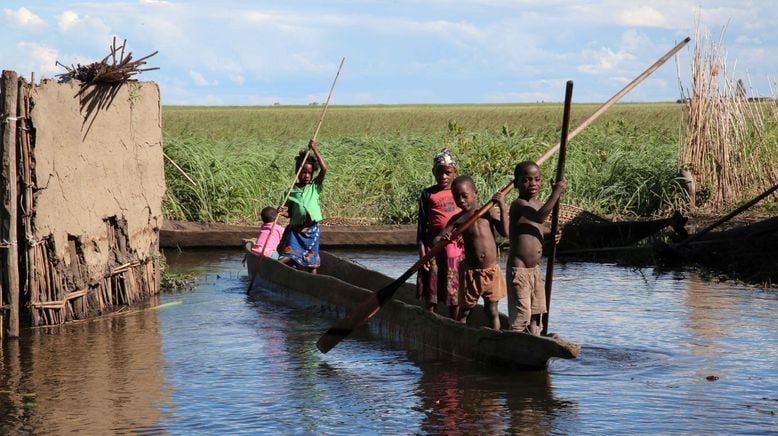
(747,40)
(41,58)
(154,2)
(604,60)
(90,28)
(620,79)
(644,16)
(23,18)
(67,20)
(199,80)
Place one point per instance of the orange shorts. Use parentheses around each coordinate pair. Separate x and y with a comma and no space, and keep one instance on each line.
(474,283)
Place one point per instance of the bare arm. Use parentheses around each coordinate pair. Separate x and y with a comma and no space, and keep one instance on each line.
(501,221)
(322,163)
(421,225)
(445,234)
(541,215)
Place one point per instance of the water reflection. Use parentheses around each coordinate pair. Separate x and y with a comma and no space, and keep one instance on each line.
(457,400)
(222,363)
(99,377)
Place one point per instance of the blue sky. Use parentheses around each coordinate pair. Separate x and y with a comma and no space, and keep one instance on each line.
(401,51)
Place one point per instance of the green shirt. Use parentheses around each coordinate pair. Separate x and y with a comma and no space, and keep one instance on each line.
(304,203)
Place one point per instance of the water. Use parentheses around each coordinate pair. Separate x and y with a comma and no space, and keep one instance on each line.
(213,360)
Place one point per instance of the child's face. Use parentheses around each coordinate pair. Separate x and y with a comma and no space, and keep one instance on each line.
(444,174)
(306,174)
(465,196)
(529,182)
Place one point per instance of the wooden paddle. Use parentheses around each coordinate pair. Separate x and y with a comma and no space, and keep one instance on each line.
(560,173)
(358,316)
(297,174)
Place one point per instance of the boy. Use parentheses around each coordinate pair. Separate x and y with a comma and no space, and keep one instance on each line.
(527,293)
(479,274)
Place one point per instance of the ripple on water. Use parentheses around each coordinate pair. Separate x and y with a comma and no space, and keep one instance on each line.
(610,362)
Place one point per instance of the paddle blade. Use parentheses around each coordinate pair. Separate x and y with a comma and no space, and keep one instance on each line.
(359,315)
(355,319)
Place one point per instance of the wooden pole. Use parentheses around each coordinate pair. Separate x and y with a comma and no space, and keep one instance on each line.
(8,209)
(27,252)
(618,96)
(560,173)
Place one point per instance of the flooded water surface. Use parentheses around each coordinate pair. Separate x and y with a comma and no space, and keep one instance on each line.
(662,353)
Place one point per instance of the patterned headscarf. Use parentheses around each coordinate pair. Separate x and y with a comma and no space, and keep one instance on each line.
(444,158)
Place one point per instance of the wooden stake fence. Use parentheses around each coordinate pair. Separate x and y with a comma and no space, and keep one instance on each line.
(28,265)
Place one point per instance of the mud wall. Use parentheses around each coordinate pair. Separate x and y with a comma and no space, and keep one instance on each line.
(91,184)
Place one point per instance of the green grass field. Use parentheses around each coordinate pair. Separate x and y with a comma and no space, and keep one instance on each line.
(241,158)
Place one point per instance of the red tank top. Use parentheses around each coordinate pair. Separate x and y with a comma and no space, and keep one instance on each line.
(440,209)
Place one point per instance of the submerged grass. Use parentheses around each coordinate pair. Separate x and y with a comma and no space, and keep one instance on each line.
(380,156)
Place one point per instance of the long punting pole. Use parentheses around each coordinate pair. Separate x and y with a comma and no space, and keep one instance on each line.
(9,193)
(560,173)
(359,315)
(307,153)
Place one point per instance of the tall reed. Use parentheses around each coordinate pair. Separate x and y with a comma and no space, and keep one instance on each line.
(729,145)
(623,165)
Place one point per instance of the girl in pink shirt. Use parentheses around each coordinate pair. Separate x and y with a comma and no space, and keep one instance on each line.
(269,234)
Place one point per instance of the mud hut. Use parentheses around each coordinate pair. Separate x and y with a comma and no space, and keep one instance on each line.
(81,189)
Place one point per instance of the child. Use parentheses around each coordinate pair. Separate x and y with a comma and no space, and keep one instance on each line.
(438,280)
(480,275)
(300,245)
(527,293)
(269,234)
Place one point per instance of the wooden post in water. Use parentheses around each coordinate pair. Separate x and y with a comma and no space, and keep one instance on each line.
(8,201)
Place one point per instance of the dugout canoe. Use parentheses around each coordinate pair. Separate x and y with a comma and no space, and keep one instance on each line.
(187,234)
(583,230)
(342,284)
(748,252)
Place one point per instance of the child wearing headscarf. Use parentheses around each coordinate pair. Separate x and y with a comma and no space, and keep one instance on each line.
(439,279)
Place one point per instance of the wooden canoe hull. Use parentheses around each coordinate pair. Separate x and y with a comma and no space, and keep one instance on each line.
(341,285)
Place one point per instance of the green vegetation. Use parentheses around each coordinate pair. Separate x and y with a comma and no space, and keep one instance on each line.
(241,158)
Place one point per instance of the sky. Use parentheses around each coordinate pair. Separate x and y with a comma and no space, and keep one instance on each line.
(397,52)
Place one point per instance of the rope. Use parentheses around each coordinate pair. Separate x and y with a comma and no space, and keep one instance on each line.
(6,244)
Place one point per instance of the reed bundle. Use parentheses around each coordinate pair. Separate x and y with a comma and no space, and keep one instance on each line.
(119,70)
(724,145)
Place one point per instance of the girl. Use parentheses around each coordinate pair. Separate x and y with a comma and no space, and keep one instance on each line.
(439,280)
(300,245)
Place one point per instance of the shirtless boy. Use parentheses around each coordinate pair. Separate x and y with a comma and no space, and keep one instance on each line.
(480,275)
(526,287)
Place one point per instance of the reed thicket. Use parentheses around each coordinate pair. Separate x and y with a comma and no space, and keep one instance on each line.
(730,144)
(241,158)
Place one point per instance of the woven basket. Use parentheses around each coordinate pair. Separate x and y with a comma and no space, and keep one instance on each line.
(572,215)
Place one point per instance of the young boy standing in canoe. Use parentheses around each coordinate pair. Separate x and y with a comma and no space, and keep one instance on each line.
(480,274)
(526,287)
(300,244)
(270,234)
(438,280)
